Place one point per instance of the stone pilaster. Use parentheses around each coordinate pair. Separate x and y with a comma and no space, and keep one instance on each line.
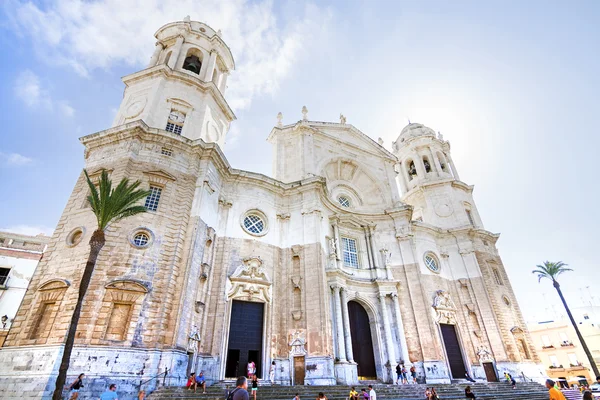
(339,330)
(401,333)
(347,334)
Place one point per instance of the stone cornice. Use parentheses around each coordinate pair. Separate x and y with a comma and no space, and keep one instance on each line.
(188,78)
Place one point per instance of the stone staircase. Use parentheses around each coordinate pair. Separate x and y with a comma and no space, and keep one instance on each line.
(491,391)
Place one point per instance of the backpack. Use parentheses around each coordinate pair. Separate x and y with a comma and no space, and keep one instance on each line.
(230,397)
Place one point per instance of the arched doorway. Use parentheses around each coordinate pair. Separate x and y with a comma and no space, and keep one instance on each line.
(362,343)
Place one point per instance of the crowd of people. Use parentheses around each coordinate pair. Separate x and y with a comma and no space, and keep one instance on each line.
(241,390)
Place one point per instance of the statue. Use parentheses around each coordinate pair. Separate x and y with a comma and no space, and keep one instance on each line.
(304,113)
(387,256)
(440,136)
(332,246)
(484,355)
(279,119)
(443,300)
(380,141)
(342,119)
(193,338)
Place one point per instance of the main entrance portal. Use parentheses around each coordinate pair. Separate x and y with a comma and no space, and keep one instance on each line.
(245,338)
(362,344)
(453,351)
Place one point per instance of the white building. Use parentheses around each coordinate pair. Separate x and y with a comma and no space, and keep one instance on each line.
(19,256)
(351,259)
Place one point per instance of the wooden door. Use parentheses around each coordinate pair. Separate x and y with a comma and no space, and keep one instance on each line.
(362,343)
(298,370)
(453,351)
(490,372)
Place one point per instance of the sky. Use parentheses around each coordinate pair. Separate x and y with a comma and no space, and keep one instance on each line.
(512,85)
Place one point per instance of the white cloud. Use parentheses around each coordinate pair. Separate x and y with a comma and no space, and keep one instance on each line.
(30,90)
(14,159)
(66,109)
(88,35)
(31,230)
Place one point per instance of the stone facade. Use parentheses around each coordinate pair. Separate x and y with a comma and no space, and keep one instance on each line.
(330,248)
(19,256)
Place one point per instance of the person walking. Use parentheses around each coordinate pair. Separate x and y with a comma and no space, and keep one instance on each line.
(434,395)
(372,394)
(240,392)
(75,387)
(512,380)
(469,393)
(413,374)
(201,381)
(254,386)
(553,392)
(398,373)
(404,375)
(297,396)
(272,373)
(110,394)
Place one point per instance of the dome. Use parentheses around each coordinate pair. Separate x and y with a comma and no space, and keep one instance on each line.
(415,130)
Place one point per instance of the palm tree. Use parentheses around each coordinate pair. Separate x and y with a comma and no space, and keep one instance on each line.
(551,270)
(109,205)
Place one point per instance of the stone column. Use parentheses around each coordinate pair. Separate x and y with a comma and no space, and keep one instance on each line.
(223,82)
(401,333)
(401,178)
(339,330)
(372,246)
(418,160)
(176,50)
(452,167)
(153,60)
(212,62)
(435,162)
(347,334)
(388,332)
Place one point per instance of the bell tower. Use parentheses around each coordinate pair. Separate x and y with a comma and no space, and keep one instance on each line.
(182,89)
(429,180)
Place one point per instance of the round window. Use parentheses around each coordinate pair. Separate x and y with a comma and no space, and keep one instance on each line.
(344,202)
(432,263)
(141,239)
(254,224)
(506,300)
(75,237)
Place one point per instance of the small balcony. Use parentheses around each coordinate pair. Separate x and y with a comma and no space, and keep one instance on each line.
(567,343)
(548,347)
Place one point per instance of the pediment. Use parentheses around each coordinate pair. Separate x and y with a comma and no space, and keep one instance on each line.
(54,284)
(350,220)
(159,176)
(126,284)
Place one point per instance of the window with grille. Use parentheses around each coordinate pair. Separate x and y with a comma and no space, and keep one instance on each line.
(349,252)
(497,276)
(153,198)
(175,122)
(165,151)
(4,272)
(432,263)
(141,239)
(254,224)
(344,202)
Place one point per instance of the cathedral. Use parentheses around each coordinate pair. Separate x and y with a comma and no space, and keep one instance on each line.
(350,260)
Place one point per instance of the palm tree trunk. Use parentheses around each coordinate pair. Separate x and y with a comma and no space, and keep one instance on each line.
(583,344)
(97,241)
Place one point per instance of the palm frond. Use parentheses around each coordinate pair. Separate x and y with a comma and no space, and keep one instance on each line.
(113,204)
(550,270)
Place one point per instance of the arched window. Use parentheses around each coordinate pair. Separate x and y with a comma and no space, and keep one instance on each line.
(497,276)
(443,162)
(426,164)
(193,61)
(411,169)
